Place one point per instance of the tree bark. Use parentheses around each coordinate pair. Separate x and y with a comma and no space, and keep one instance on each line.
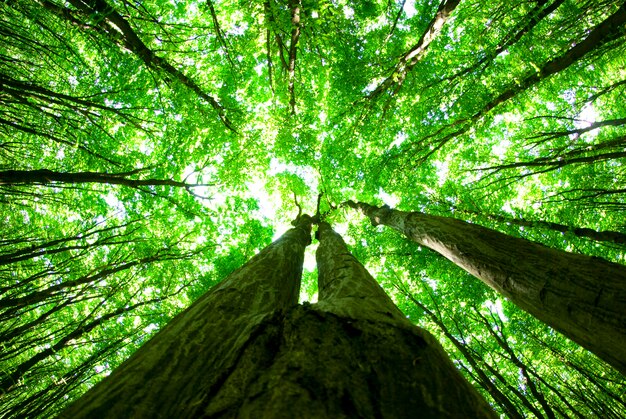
(346,288)
(581,296)
(246,350)
(405,363)
(181,368)
(353,354)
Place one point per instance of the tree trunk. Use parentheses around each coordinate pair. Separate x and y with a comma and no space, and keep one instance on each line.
(398,368)
(581,296)
(242,353)
(181,368)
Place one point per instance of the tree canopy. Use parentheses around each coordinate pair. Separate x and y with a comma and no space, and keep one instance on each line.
(148,149)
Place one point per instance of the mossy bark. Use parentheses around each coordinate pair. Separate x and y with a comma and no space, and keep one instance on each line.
(581,296)
(247,351)
(174,374)
(346,288)
(310,363)
(417,376)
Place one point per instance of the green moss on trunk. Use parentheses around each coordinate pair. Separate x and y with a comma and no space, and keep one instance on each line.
(314,364)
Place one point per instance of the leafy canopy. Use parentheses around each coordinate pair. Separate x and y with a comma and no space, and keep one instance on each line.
(507,115)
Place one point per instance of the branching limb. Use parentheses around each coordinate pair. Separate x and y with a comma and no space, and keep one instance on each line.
(270,64)
(295,198)
(220,33)
(318,216)
(293,50)
(117,29)
(410,59)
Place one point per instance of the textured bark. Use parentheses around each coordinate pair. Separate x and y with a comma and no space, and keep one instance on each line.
(346,288)
(310,363)
(581,296)
(180,368)
(353,354)
(416,376)
(245,350)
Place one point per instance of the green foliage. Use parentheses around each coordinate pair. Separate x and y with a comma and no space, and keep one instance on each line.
(492,121)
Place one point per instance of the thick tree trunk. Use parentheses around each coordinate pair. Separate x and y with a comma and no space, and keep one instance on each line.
(181,368)
(352,355)
(246,351)
(346,288)
(399,369)
(581,296)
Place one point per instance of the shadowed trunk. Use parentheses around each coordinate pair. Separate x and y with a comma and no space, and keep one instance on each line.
(181,368)
(245,350)
(408,373)
(581,296)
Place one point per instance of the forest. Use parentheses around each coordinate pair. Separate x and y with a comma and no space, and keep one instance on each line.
(462,148)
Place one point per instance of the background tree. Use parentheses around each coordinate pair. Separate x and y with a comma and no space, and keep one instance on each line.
(509,109)
(581,296)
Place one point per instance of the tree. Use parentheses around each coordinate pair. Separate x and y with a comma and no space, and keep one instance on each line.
(601,236)
(9,179)
(113,26)
(581,296)
(149,149)
(247,349)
